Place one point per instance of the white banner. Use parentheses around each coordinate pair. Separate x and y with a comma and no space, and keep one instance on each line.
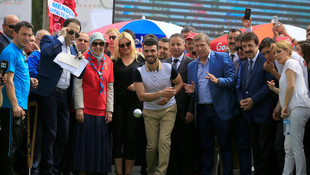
(94,14)
(21,8)
(60,9)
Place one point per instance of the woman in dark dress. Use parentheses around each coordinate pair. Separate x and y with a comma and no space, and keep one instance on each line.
(125,125)
(93,102)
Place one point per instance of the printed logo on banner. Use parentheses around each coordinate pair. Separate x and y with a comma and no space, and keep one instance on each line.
(220,47)
(60,10)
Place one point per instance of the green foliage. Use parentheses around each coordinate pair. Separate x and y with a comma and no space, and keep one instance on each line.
(37,14)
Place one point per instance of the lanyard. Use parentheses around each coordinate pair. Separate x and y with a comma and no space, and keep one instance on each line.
(98,72)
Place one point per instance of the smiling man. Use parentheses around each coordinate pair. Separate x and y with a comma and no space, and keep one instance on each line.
(212,78)
(55,94)
(153,84)
(257,103)
(15,95)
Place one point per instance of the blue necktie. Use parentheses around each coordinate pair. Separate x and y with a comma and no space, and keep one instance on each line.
(249,74)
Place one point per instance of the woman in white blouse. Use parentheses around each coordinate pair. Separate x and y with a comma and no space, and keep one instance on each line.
(295,105)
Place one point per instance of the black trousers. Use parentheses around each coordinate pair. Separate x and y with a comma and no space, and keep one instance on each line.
(13,149)
(55,118)
(262,141)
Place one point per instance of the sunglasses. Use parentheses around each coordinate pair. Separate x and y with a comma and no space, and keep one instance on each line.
(80,40)
(71,32)
(112,37)
(123,45)
(237,48)
(10,26)
(95,44)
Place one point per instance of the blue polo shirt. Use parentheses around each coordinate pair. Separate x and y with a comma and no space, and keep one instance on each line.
(17,65)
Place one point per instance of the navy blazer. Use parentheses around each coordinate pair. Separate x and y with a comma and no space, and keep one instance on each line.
(49,72)
(223,97)
(264,99)
(184,101)
(3,42)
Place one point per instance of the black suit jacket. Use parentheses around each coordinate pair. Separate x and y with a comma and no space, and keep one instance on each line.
(3,42)
(185,103)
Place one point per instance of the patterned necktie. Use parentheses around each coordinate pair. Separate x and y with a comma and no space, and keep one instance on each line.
(175,63)
(249,73)
(232,57)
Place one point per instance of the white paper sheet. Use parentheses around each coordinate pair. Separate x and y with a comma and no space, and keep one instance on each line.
(70,63)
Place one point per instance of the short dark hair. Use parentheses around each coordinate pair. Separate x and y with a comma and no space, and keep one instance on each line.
(150,42)
(164,39)
(250,36)
(150,36)
(238,38)
(133,35)
(266,42)
(187,29)
(233,31)
(23,24)
(177,35)
(70,20)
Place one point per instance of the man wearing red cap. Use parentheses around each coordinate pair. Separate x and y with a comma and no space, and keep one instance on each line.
(189,45)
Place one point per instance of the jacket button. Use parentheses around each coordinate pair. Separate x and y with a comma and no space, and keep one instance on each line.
(246,92)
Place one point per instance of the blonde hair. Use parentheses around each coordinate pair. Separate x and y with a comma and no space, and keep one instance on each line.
(133,51)
(283,44)
(112,30)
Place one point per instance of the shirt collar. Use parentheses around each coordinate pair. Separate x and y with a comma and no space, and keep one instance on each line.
(208,58)
(9,39)
(179,58)
(158,67)
(254,59)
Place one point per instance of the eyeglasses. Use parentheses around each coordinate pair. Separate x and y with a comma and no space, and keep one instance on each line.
(71,32)
(10,26)
(112,37)
(237,48)
(80,40)
(123,45)
(95,44)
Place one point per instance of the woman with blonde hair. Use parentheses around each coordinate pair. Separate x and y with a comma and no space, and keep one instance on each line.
(112,33)
(295,105)
(125,125)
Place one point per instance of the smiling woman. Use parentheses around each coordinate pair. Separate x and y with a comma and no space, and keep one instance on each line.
(295,105)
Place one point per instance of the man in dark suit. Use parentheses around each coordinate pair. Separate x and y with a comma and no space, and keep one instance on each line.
(55,94)
(212,78)
(182,159)
(257,103)
(8,26)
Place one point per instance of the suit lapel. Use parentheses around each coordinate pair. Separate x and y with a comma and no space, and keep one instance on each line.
(182,64)
(212,61)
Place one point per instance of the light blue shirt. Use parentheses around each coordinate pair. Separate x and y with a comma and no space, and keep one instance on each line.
(21,80)
(204,95)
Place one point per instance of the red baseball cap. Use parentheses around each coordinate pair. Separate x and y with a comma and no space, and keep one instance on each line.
(190,36)
(106,38)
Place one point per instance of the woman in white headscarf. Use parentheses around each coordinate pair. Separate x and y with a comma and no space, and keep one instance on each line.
(93,102)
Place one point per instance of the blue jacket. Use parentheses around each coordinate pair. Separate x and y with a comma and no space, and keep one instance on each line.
(50,72)
(264,99)
(223,97)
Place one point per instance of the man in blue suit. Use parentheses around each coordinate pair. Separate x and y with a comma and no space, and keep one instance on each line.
(212,77)
(54,95)
(257,103)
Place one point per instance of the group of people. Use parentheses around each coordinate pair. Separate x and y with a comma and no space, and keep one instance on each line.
(194,101)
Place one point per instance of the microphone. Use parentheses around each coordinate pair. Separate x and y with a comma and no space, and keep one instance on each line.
(75,49)
(3,68)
